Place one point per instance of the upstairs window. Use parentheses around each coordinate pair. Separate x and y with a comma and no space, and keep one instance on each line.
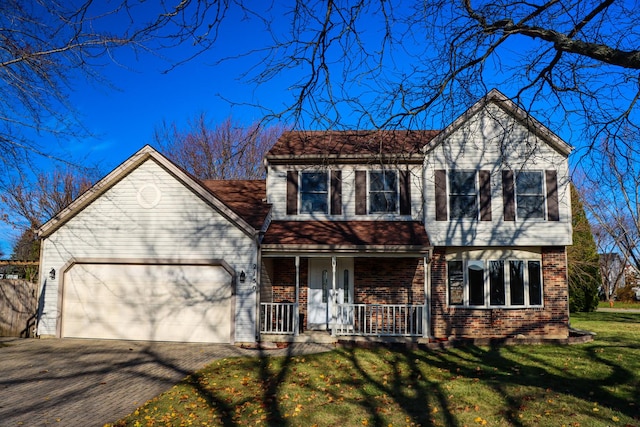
(530,200)
(463,195)
(530,195)
(314,192)
(383,192)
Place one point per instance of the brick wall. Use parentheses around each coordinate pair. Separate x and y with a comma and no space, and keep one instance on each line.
(389,281)
(282,280)
(551,321)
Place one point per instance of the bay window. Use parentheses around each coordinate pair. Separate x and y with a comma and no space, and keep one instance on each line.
(495,283)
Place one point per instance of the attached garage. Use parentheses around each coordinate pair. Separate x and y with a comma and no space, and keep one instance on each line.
(151,253)
(154,302)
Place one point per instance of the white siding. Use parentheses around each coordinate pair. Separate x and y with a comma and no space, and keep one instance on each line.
(492,140)
(133,220)
(277,194)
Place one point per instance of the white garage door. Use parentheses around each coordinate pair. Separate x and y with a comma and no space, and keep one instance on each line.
(147,302)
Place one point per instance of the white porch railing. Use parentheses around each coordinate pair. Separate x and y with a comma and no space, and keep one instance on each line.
(352,319)
(279,318)
(380,319)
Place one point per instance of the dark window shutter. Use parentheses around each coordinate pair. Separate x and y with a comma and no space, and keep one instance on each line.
(553,213)
(485,195)
(441,194)
(405,193)
(361,192)
(336,192)
(292,192)
(508,196)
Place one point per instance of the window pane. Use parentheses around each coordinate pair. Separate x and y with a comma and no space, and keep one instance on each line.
(496,276)
(456,282)
(314,202)
(376,181)
(530,206)
(516,278)
(383,191)
(529,182)
(529,195)
(463,195)
(383,202)
(463,207)
(462,182)
(314,181)
(325,285)
(314,192)
(347,294)
(535,283)
(476,282)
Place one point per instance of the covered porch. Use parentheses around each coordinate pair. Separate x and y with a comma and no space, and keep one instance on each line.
(339,290)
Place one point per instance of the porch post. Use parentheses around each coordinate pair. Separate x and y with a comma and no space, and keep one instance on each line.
(296,310)
(334,298)
(426,318)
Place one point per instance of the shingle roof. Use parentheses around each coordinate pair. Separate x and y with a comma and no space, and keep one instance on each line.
(346,233)
(349,143)
(247,198)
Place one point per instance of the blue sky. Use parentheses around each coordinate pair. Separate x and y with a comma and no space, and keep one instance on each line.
(123,115)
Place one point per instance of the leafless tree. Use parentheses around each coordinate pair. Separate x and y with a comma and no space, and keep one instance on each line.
(27,205)
(46,45)
(612,199)
(223,151)
(366,64)
(390,63)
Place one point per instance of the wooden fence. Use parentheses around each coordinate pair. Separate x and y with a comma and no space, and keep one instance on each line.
(18,306)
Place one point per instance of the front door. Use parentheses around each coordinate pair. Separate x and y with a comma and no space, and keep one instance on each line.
(321,294)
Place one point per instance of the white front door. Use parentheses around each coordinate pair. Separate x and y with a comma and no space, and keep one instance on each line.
(321,295)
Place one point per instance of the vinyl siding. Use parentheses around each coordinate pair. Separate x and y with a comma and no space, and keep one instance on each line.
(494,141)
(122,224)
(277,194)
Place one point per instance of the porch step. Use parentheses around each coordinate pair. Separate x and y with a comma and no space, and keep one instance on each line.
(320,337)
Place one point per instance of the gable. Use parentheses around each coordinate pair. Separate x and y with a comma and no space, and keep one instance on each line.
(146,192)
(495,117)
(495,149)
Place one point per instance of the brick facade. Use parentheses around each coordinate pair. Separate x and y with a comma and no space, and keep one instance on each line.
(281,277)
(401,281)
(550,321)
(389,281)
(377,281)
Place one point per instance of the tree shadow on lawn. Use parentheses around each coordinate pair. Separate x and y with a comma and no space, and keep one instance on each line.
(418,381)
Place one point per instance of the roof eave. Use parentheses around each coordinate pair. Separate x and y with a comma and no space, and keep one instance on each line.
(276,248)
(292,159)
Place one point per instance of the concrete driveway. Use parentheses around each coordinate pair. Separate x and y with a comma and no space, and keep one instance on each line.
(71,382)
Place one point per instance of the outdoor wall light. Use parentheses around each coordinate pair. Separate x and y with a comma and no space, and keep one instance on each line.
(243,276)
(52,274)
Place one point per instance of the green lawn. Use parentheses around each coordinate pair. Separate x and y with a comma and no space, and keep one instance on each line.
(620,304)
(593,384)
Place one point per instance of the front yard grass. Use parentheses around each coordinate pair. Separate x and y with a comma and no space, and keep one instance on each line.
(621,304)
(593,384)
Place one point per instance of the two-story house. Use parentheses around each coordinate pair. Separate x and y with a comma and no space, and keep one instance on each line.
(422,235)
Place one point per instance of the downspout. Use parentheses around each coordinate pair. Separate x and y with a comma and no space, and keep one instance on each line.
(296,314)
(426,322)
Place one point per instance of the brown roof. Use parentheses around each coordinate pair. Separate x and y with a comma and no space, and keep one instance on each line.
(346,233)
(247,198)
(349,143)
